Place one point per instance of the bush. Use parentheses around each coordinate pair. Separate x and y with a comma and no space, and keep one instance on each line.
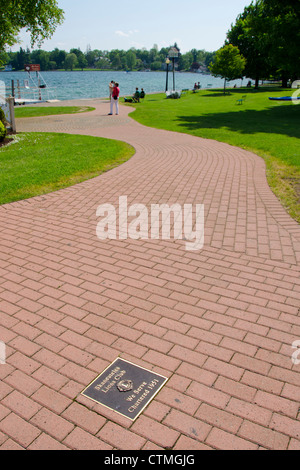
(175,95)
(2,131)
(2,116)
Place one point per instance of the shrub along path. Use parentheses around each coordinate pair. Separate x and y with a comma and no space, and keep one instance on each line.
(219,323)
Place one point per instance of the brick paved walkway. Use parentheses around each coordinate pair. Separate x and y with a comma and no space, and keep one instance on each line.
(218,323)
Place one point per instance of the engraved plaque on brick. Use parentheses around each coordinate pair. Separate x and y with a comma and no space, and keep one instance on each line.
(125,388)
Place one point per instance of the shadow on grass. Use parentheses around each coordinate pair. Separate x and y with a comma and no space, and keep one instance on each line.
(284,119)
(243,91)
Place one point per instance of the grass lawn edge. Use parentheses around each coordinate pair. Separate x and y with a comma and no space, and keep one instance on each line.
(30,191)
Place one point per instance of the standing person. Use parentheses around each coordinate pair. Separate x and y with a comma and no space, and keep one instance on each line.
(115,99)
(111,87)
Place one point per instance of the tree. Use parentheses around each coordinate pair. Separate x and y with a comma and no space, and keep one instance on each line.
(130,59)
(284,35)
(268,35)
(156,65)
(185,61)
(39,17)
(21,58)
(82,62)
(4,57)
(41,57)
(59,57)
(250,35)
(81,59)
(70,61)
(115,59)
(52,65)
(91,57)
(229,64)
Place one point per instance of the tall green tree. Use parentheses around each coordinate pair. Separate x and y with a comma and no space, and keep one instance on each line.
(268,35)
(229,64)
(90,57)
(130,59)
(21,58)
(250,35)
(39,17)
(115,59)
(70,61)
(41,57)
(58,56)
(81,59)
(284,34)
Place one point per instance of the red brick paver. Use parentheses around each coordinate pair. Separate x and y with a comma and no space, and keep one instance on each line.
(219,323)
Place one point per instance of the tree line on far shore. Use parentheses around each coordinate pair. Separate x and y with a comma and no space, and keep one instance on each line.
(133,59)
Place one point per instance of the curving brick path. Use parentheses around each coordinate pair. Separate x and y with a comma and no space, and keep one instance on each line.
(219,323)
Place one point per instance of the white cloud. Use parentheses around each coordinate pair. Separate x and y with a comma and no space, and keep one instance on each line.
(126,34)
(122,34)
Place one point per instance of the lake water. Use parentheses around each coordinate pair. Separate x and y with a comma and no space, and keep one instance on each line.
(94,84)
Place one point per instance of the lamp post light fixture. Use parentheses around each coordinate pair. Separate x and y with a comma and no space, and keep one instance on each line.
(167,63)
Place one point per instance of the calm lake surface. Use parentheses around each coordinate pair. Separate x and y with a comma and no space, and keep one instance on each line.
(94,84)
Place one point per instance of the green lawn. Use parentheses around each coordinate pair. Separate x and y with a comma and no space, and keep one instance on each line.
(268,128)
(35,111)
(39,163)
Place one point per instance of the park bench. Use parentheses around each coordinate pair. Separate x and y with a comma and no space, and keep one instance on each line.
(241,100)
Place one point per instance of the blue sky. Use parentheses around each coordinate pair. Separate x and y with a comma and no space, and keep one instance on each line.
(122,24)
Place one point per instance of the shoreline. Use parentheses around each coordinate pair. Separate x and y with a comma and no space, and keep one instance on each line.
(105,71)
(63,86)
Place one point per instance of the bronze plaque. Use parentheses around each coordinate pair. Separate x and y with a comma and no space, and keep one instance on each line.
(125,388)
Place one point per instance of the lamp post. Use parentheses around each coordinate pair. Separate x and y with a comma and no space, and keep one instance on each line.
(167,82)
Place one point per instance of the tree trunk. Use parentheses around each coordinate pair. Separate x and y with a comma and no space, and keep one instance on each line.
(225,86)
(284,80)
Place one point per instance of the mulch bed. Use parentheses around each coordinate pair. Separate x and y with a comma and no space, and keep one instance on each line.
(5,142)
(7,139)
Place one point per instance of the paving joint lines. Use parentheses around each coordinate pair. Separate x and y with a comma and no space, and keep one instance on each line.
(219,323)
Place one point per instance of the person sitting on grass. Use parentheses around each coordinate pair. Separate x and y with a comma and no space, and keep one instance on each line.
(136,96)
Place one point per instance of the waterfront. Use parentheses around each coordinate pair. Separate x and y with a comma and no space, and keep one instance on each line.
(94,84)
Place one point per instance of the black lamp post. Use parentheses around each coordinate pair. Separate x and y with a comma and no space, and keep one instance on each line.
(174,88)
(167,82)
